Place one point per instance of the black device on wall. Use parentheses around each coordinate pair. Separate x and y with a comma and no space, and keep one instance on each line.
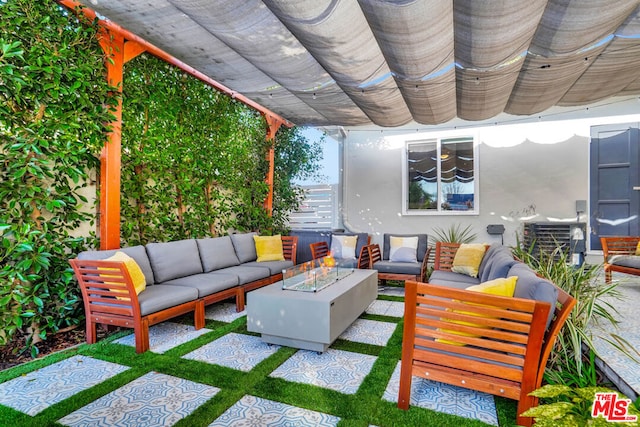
(496,229)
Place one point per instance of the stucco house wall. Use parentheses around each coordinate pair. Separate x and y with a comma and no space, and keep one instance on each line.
(532,170)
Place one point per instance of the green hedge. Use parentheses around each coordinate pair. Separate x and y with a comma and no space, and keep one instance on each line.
(193,161)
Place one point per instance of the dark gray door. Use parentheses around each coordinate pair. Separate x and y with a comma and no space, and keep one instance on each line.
(615,182)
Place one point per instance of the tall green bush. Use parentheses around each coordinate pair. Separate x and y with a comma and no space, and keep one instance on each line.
(53,99)
(194,160)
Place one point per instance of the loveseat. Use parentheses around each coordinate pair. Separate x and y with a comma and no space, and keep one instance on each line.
(180,276)
(487,325)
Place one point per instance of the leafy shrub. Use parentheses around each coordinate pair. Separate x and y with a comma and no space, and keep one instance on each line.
(53,103)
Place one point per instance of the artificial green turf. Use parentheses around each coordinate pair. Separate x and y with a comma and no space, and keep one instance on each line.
(361,409)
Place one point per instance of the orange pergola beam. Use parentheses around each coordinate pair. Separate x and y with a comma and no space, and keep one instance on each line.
(120,46)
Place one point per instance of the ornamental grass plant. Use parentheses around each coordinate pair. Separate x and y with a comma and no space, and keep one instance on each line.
(572,362)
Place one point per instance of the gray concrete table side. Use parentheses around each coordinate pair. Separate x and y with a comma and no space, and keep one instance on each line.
(310,320)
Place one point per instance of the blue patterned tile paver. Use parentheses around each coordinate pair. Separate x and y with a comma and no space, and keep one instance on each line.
(36,391)
(253,411)
(237,351)
(337,370)
(165,336)
(445,398)
(369,332)
(224,312)
(152,400)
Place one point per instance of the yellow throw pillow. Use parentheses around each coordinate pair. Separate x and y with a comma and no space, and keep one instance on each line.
(269,248)
(468,258)
(502,287)
(137,276)
(638,248)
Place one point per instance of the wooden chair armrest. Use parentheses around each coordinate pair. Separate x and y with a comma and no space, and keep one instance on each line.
(425,264)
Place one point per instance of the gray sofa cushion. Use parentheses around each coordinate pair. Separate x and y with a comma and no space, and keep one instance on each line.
(632,261)
(530,286)
(422,245)
(499,265)
(246,274)
(441,277)
(138,253)
(398,267)
(206,283)
(159,297)
(483,269)
(244,246)
(275,267)
(217,253)
(171,260)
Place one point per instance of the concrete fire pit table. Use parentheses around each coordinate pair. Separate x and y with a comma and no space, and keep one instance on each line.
(310,320)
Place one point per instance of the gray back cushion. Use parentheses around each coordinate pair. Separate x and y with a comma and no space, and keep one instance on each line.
(171,260)
(138,253)
(217,253)
(422,244)
(483,270)
(245,246)
(499,265)
(530,286)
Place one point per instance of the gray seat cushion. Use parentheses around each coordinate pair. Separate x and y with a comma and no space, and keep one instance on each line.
(246,274)
(171,260)
(445,278)
(217,253)
(422,245)
(398,267)
(632,261)
(138,253)
(275,267)
(206,283)
(159,297)
(244,246)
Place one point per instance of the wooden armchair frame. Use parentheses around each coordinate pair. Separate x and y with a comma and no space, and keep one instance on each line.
(618,246)
(110,298)
(506,354)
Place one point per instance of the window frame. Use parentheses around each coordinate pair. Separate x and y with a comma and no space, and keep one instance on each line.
(405,175)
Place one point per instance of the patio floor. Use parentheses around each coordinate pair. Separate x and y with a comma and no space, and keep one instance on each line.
(622,371)
(161,399)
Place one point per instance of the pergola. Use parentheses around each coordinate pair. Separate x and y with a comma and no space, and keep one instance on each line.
(381,62)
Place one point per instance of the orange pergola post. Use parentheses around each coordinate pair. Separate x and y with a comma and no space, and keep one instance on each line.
(113,46)
(118,52)
(272,128)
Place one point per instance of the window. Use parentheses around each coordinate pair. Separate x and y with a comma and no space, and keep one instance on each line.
(440,176)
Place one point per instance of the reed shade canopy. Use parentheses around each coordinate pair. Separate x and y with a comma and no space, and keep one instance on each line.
(358,62)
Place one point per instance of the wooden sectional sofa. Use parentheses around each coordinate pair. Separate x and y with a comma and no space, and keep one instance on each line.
(181,277)
(621,254)
(495,344)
